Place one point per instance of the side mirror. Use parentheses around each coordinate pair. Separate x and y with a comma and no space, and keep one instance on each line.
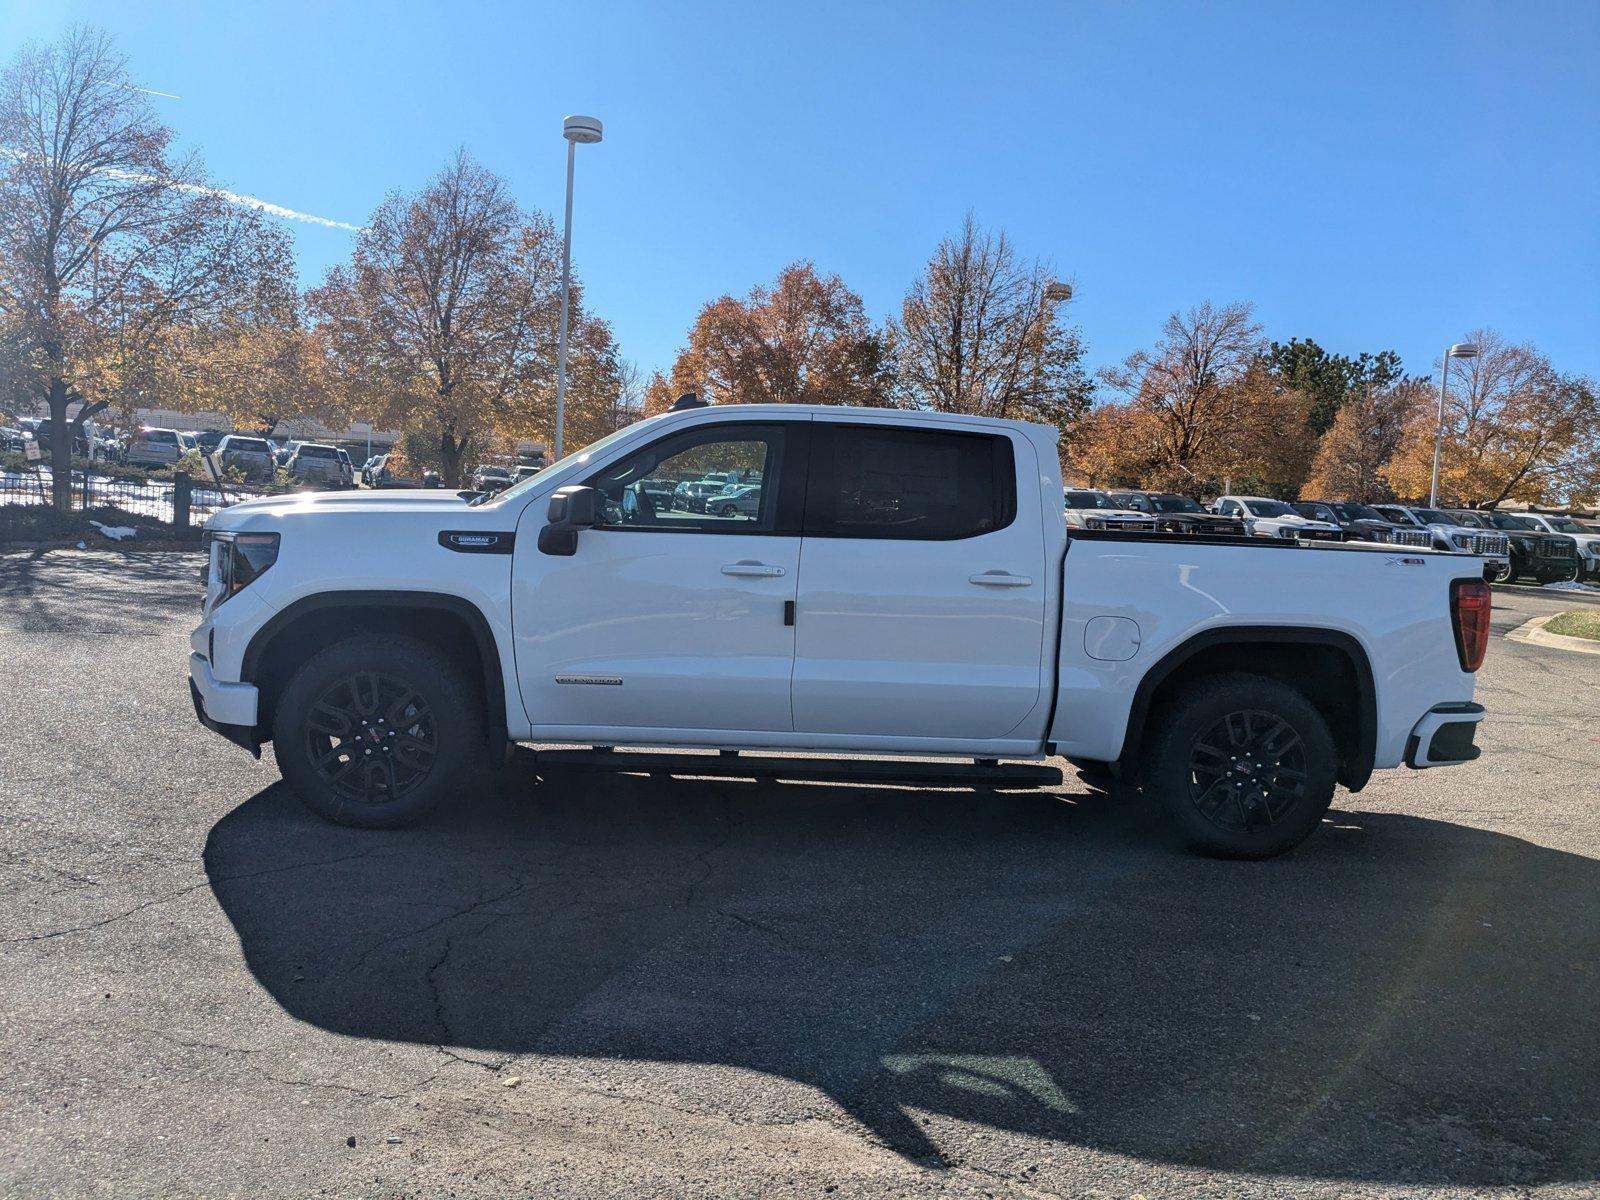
(575,505)
(571,508)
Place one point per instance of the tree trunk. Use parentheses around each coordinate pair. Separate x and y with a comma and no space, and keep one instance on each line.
(450,461)
(60,448)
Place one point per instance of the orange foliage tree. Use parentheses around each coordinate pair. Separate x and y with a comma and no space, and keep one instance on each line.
(1515,428)
(804,340)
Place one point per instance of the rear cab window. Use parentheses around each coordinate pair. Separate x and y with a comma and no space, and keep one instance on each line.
(891,482)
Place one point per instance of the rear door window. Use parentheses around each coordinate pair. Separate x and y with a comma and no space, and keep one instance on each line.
(878,481)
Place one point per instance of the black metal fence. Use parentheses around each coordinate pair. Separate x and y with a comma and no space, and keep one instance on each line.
(180,501)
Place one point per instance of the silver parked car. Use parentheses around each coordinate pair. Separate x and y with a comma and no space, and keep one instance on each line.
(154,448)
(315,463)
(250,456)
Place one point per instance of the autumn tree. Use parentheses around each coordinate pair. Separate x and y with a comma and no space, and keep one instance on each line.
(1515,428)
(804,340)
(1352,458)
(658,395)
(444,323)
(115,258)
(1190,383)
(1114,445)
(978,333)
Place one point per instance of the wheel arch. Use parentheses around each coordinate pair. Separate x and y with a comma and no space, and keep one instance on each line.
(302,628)
(1321,663)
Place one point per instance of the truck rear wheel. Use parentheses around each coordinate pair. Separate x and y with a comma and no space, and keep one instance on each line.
(375,731)
(1244,764)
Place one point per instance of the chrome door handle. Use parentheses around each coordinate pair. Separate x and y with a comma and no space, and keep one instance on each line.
(999,579)
(753,569)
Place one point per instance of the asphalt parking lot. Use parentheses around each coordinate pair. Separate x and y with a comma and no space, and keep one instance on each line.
(731,988)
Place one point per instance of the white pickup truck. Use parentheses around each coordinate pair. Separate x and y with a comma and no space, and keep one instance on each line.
(904,586)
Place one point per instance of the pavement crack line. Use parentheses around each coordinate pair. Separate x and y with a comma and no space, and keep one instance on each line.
(177,895)
(481,903)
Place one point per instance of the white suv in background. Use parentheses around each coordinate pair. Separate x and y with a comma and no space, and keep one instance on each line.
(1450,534)
(1274,518)
(1089,508)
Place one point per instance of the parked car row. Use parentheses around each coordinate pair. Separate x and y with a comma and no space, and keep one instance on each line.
(1544,547)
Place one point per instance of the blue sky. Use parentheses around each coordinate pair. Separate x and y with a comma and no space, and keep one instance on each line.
(1371,175)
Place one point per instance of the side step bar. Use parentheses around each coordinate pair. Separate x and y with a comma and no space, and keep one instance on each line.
(734,765)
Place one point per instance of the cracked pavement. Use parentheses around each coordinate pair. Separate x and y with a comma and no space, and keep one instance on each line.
(739,989)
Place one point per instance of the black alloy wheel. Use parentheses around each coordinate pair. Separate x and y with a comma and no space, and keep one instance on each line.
(376,730)
(1244,765)
(1247,770)
(372,738)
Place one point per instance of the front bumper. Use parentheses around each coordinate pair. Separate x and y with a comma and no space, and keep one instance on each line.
(1444,736)
(225,708)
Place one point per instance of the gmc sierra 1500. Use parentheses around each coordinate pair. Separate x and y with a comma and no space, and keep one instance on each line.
(901,583)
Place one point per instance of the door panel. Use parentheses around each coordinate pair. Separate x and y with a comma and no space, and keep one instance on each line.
(672,614)
(900,632)
(692,639)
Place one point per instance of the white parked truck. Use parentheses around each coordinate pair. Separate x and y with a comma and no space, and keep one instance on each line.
(906,585)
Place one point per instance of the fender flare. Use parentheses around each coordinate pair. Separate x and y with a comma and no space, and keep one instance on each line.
(482,634)
(1355,772)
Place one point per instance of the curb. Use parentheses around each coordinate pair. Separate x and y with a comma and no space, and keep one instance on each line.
(1533,632)
(1544,593)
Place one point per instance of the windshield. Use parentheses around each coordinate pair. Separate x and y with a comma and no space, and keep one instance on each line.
(248,445)
(1087,500)
(1169,503)
(583,455)
(1269,508)
(1433,516)
(1357,512)
(1507,521)
(1564,525)
(1317,512)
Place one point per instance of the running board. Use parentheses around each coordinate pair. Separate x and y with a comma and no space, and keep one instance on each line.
(821,770)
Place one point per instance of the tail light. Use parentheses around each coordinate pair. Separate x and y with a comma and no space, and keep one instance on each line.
(1469,615)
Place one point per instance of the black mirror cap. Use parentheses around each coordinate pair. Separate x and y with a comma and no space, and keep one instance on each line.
(575,506)
(561,540)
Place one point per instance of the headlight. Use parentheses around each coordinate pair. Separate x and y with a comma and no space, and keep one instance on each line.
(236,560)
(1094,523)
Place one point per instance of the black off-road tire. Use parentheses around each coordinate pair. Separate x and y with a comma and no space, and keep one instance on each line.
(1264,797)
(375,731)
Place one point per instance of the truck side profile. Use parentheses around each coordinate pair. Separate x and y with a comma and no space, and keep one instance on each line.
(901,584)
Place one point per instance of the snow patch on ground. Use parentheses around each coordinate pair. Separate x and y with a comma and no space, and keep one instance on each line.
(116,533)
(1571,586)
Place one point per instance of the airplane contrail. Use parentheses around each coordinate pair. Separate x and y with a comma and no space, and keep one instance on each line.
(200,189)
(276,210)
(153,92)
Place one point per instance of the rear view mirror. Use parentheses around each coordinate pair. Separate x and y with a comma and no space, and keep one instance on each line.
(571,508)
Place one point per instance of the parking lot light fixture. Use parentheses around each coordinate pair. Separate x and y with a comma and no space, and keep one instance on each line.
(584,131)
(1459,350)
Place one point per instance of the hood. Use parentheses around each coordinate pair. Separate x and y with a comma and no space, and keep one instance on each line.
(300,505)
(1299,521)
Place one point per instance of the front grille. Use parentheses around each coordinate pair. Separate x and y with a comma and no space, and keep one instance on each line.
(1485,543)
(1411,537)
(1555,548)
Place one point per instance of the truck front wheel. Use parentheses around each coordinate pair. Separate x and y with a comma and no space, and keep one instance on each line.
(1244,764)
(375,731)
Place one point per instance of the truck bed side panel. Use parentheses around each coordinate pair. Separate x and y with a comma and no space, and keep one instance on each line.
(1395,605)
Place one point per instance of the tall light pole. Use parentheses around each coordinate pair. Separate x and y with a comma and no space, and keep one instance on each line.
(1459,350)
(585,131)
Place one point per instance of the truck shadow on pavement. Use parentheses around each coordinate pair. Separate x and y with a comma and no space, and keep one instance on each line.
(1402,1000)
